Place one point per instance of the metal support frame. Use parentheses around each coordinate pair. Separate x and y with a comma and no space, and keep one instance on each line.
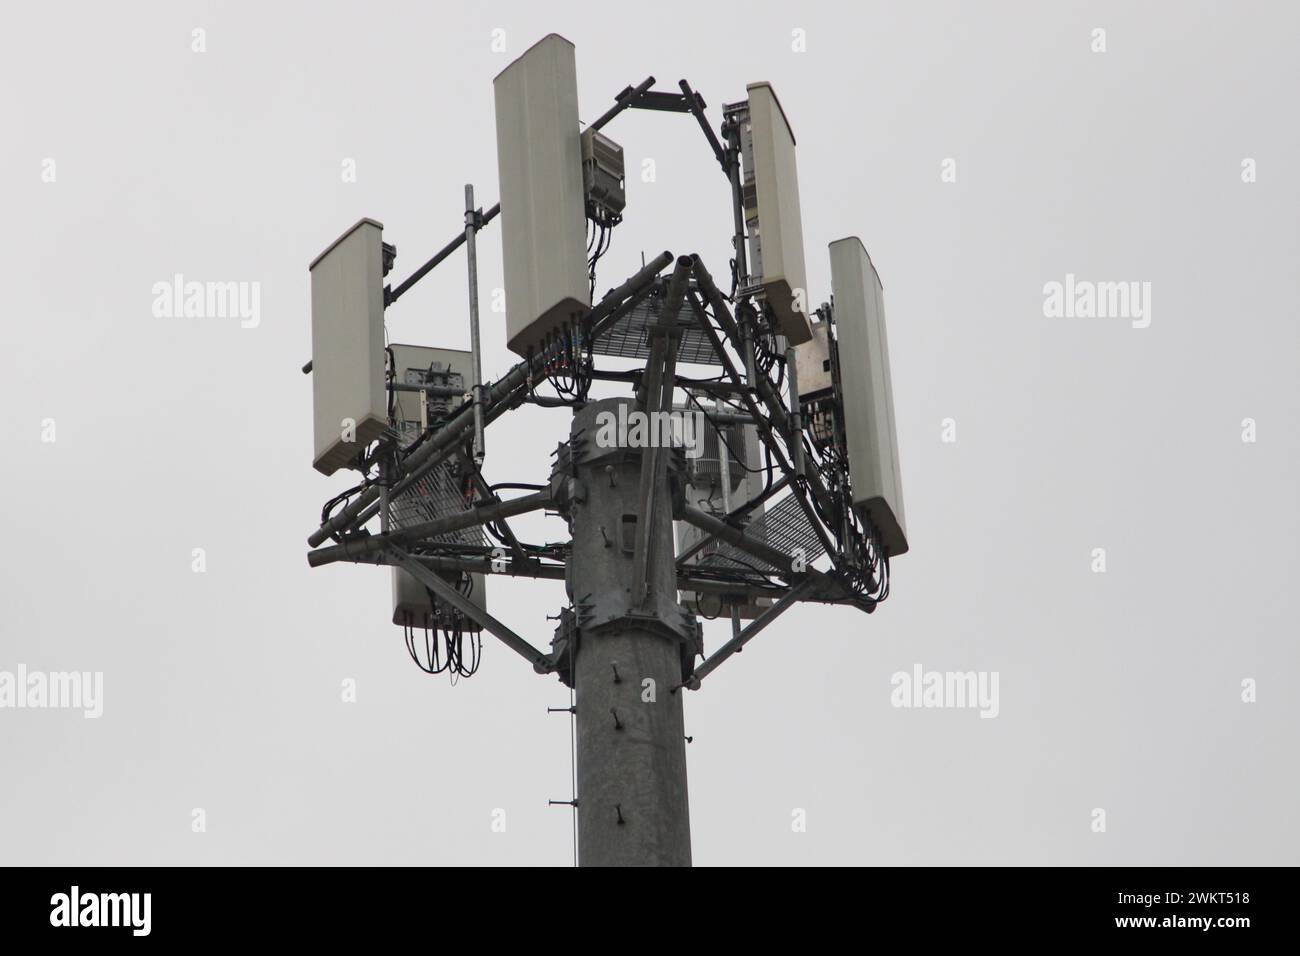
(440,446)
(392,296)
(737,538)
(796,418)
(499,396)
(724,468)
(479,514)
(444,442)
(732,167)
(642,97)
(657,395)
(746,635)
(637,376)
(770,399)
(438,391)
(623,101)
(764,427)
(696,104)
(487,564)
(488,496)
(746,507)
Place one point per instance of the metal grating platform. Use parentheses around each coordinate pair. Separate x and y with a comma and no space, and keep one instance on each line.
(434,495)
(628,337)
(784,526)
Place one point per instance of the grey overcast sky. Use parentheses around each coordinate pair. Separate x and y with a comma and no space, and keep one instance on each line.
(130,158)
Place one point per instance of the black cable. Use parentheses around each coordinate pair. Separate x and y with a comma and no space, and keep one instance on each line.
(699,608)
(433,665)
(729,557)
(723,442)
(603,237)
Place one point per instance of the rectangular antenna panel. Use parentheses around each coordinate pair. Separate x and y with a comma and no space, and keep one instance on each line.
(859,315)
(347,345)
(777,235)
(543,210)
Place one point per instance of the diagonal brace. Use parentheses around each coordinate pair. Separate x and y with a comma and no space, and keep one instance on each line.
(734,645)
(360,545)
(657,396)
(438,586)
(778,415)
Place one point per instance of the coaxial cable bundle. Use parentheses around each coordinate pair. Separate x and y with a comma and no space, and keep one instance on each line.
(568,364)
(444,648)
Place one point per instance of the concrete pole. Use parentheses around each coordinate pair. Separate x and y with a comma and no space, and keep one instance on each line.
(631,748)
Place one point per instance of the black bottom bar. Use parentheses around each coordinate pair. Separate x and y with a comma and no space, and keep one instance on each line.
(923,906)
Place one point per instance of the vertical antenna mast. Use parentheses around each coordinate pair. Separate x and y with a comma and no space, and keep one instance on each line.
(473,220)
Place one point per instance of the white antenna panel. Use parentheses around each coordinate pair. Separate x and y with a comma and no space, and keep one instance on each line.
(347,346)
(543,204)
(868,394)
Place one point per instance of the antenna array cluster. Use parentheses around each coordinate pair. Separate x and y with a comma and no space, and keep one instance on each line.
(794,492)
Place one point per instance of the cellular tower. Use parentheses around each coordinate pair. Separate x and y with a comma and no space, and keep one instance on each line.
(766,477)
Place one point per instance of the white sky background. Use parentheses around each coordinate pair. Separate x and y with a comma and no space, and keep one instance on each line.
(222,690)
